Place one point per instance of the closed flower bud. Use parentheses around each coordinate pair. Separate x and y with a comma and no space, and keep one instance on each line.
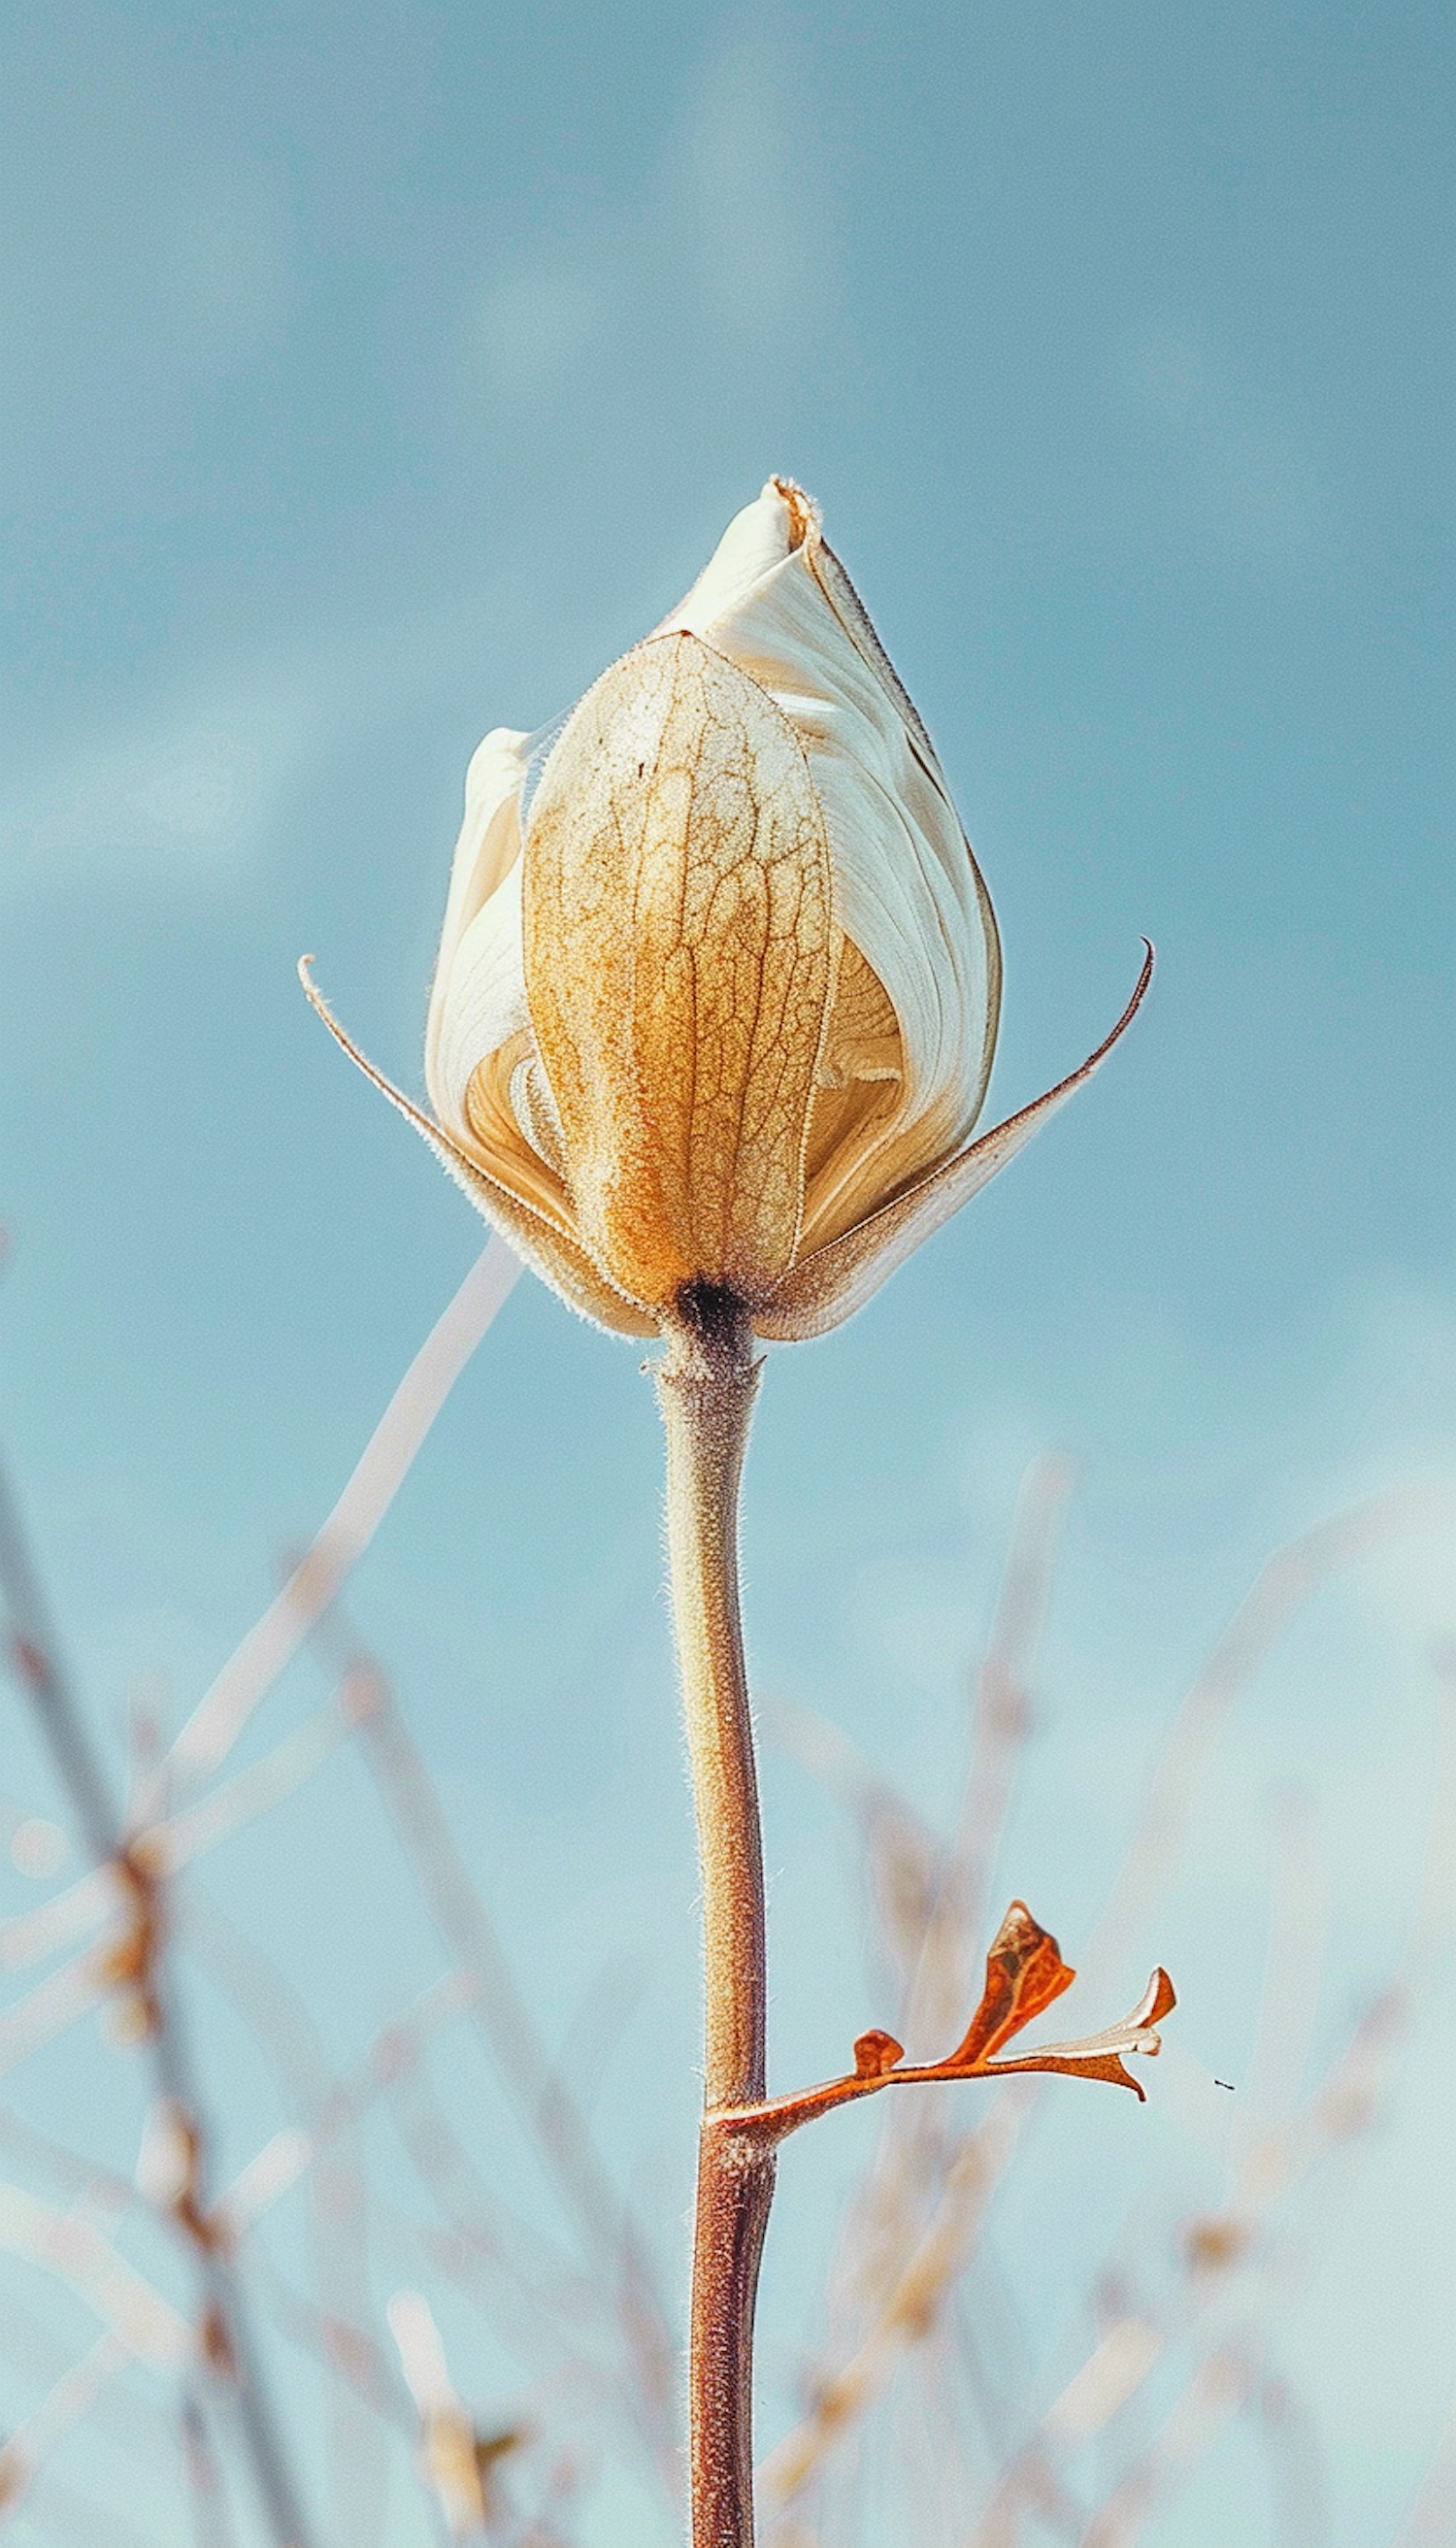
(717,992)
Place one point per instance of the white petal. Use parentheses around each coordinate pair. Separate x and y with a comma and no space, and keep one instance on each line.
(481,1005)
(907,889)
(760,537)
(488,849)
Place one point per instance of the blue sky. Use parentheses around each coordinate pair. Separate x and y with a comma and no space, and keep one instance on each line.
(376,376)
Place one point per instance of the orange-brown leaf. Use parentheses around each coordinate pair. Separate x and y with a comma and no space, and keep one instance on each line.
(1090,2065)
(1024,1973)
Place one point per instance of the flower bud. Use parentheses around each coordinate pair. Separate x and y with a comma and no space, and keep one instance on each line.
(718,987)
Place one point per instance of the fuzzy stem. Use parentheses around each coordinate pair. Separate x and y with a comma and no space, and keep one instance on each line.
(706,1383)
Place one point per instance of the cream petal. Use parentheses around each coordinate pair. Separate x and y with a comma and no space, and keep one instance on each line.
(855,1097)
(483,1003)
(829,1286)
(757,538)
(488,849)
(908,892)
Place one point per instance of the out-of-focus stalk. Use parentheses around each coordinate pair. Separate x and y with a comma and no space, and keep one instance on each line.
(226,2340)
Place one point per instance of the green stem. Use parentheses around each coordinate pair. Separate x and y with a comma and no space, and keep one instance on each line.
(707,1384)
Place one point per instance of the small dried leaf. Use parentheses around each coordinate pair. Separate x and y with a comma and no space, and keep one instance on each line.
(876,2052)
(1099,2056)
(1024,1973)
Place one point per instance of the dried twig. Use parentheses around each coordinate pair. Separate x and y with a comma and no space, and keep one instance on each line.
(63,2406)
(221,1714)
(136,1970)
(499,2015)
(1289,1579)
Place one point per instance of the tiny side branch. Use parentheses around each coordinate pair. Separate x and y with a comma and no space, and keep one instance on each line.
(1024,1973)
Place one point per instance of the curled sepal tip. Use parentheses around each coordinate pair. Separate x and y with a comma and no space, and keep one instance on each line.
(1100,2057)
(828,1286)
(544,1241)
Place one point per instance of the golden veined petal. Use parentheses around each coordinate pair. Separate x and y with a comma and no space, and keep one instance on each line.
(677,908)
(834,1282)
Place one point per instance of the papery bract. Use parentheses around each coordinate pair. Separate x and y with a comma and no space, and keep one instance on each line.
(719,982)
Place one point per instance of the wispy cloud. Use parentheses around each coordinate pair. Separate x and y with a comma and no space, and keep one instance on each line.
(1230,448)
(728,240)
(537,322)
(749,165)
(715,267)
(185,786)
(188,787)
